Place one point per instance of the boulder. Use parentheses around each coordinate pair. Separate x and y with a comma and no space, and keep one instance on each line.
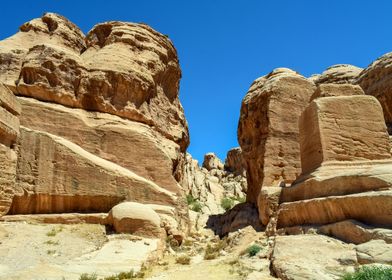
(374,251)
(268,129)
(211,161)
(125,69)
(376,80)
(339,74)
(234,162)
(135,218)
(348,128)
(268,203)
(300,257)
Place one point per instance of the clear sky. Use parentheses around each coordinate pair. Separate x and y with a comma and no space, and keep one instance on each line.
(224,45)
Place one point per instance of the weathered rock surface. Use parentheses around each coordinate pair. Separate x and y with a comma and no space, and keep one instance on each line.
(312,257)
(338,74)
(234,162)
(268,128)
(125,69)
(135,218)
(374,251)
(352,231)
(328,90)
(55,175)
(211,161)
(132,145)
(376,80)
(348,128)
(9,132)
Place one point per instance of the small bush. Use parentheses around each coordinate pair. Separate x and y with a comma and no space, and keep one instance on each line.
(213,250)
(190,199)
(51,252)
(51,242)
(227,203)
(183,259)
(370,273)
(86,276)
(194,203)
(196,206)
(241,199)
(54,231)
(253,250)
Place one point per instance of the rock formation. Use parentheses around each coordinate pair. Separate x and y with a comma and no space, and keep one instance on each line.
(376,80)
(268,129)
(9,133)
(338,74)
(100,118)
(235,162)
(346,165)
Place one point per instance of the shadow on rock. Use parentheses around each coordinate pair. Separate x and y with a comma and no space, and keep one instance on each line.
(240,216)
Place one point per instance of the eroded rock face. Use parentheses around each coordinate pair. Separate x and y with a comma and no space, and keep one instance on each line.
(125,69)
(347,166)
(268,128)
(338,74)
(55,175)
(102,122)
(211,161)
(9,133)
(235,162)
(376,80)
(328,90)
(329,131)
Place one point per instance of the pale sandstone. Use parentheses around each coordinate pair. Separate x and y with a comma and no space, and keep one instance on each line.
(329,90)
(211,161)
(345,128)
(55,175)
(376,80)
(339,74)
(8,101)
(125,69)
(374,251)
(332,209)
(303,257)
(268,129)
(8,160)
(132,145)
(135,218)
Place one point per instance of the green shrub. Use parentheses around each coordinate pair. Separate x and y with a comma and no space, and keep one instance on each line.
(241,199)
(370,273)
(227,203)
(253,250)
(183,259)
(86,276)
(196,206)
(190,199)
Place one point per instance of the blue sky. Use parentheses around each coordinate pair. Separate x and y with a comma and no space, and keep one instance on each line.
(224,45)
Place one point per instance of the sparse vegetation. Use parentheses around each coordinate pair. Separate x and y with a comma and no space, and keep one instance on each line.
(51,242)
(227,203)
(54,231)
(194,204)
(253,250)
(241,199)
(86,276)
(370,273)
(120,276)
(51,252)
(183,259)
(213,250)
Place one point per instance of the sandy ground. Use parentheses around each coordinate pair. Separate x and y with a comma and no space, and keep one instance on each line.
(51,252)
